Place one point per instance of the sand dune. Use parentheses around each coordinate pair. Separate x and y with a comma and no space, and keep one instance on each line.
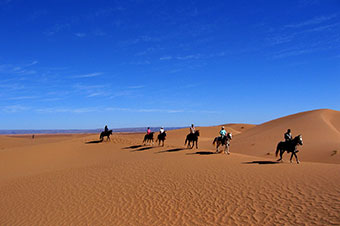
(77,180)
(320,131)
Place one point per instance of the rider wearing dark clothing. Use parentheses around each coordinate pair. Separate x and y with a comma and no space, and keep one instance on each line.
(106,129)
(288,136)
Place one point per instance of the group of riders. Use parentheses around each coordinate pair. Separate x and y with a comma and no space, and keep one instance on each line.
(288,145)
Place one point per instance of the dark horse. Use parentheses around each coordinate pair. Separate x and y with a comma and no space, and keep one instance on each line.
(289,146)
(192,137)
(148,138)
(105,134)
(161,137)
(225,141)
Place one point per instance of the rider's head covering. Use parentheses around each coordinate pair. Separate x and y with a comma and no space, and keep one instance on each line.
(288,130)
(222,127)
(192,125)
(148,127)
(162,127)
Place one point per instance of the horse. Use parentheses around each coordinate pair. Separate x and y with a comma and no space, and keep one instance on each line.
(225,141)
(105,134)
(161,137)
(148,138)
(192,137)
(289,146)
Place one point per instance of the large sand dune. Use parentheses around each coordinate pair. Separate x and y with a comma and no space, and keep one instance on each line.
(320,131)
(76,180)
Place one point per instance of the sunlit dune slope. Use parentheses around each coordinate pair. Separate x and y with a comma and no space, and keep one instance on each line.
(320,130)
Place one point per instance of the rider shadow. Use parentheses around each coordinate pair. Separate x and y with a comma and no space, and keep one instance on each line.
(171,150)
(202,153)
(262,162)
(133,147)
(94,142)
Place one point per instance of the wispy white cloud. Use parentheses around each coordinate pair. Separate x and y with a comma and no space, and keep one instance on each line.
(96,94)
(90,75)
(193,56)
(88,87)
(20,69)
(23,98)
(187,57)
(14,108)
(316,20)
(32,63)
(111,109)
(293,52)
(66,110)
(12,86)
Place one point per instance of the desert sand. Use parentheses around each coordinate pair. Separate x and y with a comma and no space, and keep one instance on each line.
(76,180)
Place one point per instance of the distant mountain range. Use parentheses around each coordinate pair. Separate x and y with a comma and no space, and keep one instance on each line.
(54,131)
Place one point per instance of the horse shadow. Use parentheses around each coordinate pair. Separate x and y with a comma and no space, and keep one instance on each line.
(94,142)
(133,147)
(262,162)
(202,153)
(143,149)
(171,150)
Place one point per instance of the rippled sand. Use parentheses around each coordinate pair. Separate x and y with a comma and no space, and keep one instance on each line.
(64,180)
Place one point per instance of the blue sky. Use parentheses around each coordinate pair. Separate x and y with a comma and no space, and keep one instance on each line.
(83,64)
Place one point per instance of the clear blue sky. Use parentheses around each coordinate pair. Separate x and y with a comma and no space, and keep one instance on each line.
(83,64)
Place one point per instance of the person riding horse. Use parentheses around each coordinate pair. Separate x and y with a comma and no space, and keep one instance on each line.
(288,136)
(161,130)
(161,136)
(105,133)
(148,138)
(223,133)
(289,145)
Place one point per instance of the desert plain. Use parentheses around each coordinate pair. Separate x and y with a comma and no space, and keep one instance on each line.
(74,179)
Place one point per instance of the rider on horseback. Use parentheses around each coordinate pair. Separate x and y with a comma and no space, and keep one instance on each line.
(106,129)
(288,136)
(223,132)
(161,130)
(192,129)
(148,131)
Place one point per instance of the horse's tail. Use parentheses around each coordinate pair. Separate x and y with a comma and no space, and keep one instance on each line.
(214,141)
(277,149)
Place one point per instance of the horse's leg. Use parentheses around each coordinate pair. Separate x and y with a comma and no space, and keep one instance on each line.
(291,157)
(297,160)
(227,149)
(281,153)
(196,144)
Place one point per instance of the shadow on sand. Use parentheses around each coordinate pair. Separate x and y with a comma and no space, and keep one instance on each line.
(133,147)
(94,142)
(143,149)
(202,153)
(171,150)
(261,162)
